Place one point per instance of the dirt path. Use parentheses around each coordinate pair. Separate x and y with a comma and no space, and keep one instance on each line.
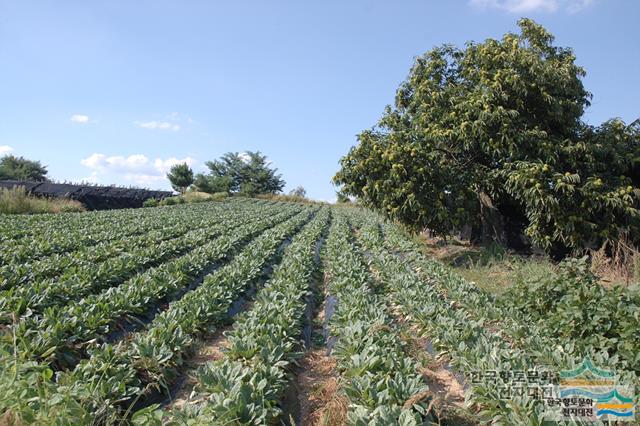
(210,349)
(446,385)
(318,390)
(316,386)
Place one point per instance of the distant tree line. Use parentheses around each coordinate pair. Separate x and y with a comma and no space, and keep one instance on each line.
(247,173)
(19,168)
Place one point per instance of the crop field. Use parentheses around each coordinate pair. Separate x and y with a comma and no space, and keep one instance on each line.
(253,311)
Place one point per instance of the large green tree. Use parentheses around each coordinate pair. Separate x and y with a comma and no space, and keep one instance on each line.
(496,127)
(19,168)
(180,176)
(245,173)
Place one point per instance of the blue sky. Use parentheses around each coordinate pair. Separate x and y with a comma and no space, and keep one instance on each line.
(117,91)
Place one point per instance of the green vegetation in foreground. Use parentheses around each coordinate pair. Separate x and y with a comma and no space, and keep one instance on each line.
(17,201)
(65,360)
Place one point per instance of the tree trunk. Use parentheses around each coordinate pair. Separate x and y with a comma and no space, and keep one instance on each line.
(492,222)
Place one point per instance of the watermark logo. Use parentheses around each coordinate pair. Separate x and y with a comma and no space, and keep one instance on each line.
(584,394)
(591,393)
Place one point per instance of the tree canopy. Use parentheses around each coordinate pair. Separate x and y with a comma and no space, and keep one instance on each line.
(499,125)
(298,191)
(19,168)
(341,197)
(245,173)
(180,176)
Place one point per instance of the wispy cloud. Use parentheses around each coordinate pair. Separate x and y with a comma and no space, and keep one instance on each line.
(173,121)
(5,149)
(157,125)
(80,118)
(137,168)
(92,178)
(524,6)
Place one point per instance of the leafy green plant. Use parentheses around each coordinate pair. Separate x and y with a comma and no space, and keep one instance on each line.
(248,382)
(376,376)
(172,201)
(151,202)
(481,332)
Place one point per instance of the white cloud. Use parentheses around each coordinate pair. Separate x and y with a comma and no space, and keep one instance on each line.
(144,180)
(157,125)
(101,162)
(92,178)
(577,5)
(93,161)
(524,6)
(137,169)
(80,118)
(5,149)
(173,121)
(244,157)
(327,200)
(164,165)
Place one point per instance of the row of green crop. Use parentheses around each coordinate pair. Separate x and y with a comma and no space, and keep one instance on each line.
(571,311)
(160,229)
(117,376)
(471,346)
(61,239)
(246,385)
(31,228)
(114,374)
(473,342)
(59,334)
(382,383)
(16,227)
(78,282)
(15,274)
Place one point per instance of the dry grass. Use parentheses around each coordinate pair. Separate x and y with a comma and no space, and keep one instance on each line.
(494,269)
(616,263)
(17,201)
(334,412)
(318,390)
(491,268)
(418,397)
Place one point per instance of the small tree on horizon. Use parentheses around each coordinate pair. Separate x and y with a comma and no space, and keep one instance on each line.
(246,173)
(298,191)
(180,176)
(19,168)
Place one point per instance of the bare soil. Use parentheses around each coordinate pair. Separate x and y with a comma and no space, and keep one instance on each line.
(210,349)
(319,400)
